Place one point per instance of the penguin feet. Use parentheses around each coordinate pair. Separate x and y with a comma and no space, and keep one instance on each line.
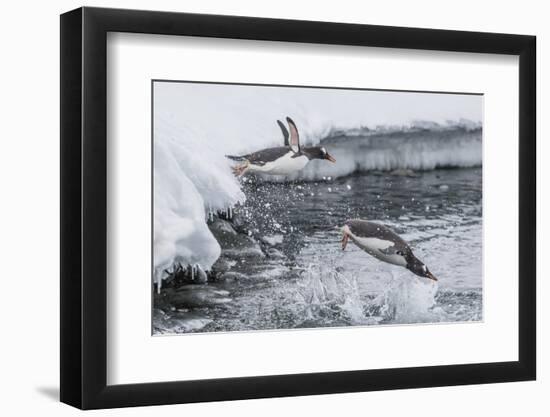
(239,170)
(345,239)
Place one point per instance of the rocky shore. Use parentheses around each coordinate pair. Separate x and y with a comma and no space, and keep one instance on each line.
(189,289)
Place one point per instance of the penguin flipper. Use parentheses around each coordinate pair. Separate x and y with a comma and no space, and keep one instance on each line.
(285,132)
(294,136)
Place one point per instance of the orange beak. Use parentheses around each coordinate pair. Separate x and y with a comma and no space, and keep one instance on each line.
(330,158)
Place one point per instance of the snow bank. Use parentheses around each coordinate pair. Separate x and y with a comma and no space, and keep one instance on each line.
(186,189)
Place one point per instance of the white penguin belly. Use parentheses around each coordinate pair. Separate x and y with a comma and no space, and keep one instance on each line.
(283,166)
(373,246)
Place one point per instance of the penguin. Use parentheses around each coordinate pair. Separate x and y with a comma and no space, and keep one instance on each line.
(281,160)
(384,244)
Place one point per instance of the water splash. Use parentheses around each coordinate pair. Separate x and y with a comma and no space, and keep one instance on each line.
(329,288)
(408,300)
(326,290)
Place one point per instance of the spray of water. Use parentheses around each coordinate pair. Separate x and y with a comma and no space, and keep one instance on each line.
(408,300)
(327,291)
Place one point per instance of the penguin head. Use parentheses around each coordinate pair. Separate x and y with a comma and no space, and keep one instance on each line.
(319,152)
(417,267)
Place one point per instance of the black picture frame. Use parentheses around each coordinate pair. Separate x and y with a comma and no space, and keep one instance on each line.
(84,207)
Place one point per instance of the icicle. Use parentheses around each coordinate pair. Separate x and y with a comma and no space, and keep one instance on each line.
(201,275)
(157,278)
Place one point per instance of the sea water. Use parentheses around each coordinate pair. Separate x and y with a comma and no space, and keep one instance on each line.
(314,283)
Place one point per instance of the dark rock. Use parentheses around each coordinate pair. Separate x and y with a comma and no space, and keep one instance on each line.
(404,173)
(239,222)
(194,296)
(221,227)
(222,265)
(232,276)
(275,254)
(234,245)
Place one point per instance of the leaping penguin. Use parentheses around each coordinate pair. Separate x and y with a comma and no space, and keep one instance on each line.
(281,160)
(385,245)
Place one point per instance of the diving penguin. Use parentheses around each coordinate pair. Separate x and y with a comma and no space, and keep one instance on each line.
(384,244)
(281,160)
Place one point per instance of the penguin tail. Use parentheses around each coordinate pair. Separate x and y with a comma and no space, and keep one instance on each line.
(235,158)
